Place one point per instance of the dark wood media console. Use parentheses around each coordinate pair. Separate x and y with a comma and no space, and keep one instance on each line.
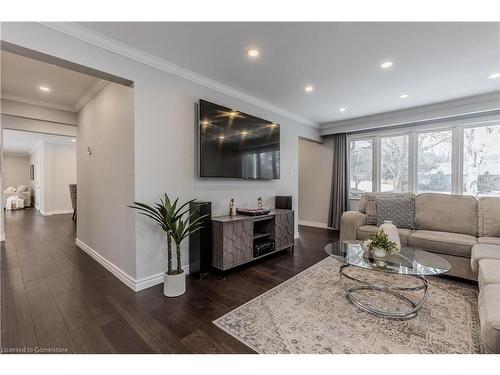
(234,237)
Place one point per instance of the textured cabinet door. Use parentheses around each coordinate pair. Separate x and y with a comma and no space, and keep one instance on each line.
(237,243)
(284,228)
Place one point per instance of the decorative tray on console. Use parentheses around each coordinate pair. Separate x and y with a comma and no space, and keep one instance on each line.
(253,211)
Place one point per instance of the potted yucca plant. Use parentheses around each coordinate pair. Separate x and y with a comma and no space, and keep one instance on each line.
(177,224)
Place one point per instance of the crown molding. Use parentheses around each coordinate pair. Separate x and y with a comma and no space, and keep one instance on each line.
(110,44)
(36,102)
(87,96)
(478,105)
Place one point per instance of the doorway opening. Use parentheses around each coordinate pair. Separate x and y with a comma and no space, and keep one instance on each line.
(315,182)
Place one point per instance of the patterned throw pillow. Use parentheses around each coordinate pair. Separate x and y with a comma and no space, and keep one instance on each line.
(371,211)
(400,210)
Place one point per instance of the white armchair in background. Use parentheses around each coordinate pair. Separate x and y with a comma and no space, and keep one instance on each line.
(22,191)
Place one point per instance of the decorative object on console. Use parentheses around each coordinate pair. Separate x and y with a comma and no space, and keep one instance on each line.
(284,202)
(232,210)
(392,232)
(170,217)
(253,211)
(259,203)
(380,245)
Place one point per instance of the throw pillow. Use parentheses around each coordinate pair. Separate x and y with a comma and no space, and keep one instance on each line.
(400,210)
(371,211)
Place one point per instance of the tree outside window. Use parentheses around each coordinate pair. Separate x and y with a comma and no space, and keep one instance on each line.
(481,174)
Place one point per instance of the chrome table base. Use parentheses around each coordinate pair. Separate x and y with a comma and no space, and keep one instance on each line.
(395,291)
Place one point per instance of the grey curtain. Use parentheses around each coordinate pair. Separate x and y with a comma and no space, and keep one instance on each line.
(340,185)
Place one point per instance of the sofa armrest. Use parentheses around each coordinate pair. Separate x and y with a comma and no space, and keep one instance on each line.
(349,224)
(26,195)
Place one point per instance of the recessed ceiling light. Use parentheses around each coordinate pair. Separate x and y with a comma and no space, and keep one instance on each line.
(404,96)
(386,64)
(205,123)
(44,89)
(342,109)
(309,88)
(221,137)
(73,140)
(494,75)
(273,125)
(253,52)
(244,132)
(233,113)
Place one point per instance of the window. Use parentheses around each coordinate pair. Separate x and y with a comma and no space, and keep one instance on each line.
(461,159)
(394,164)
(434,162)
(360,167)
(481,171)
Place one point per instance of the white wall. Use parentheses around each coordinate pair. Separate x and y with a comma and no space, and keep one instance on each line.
(165,138)
(16,170)
(36,158)
(60,164)
(106,177)
(55,169)
(31,111)
(315,181)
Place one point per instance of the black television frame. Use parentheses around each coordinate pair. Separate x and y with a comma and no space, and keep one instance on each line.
(199,142)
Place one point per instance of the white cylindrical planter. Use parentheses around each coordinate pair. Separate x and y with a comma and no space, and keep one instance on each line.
(392,232)
(174,285)
(378,252)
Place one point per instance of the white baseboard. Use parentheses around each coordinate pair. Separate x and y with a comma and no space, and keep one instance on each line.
(57,212)
(132,283)
(314,224)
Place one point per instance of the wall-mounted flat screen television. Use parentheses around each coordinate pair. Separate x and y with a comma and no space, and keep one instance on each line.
(233,144)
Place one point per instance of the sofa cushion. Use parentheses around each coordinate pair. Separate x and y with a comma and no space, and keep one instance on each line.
(489,272)
(483,251)
(489,216)
(400,210)
(363,202)
(366,230)
(10,190)
(443,242)
(21,188)
(489,317)
(489,240)
(371,210)
(446,213)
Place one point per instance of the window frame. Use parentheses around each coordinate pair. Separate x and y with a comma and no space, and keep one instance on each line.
(457,128)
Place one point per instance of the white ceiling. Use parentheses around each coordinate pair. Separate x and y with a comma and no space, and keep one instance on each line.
(433,62)
(21,142)
(21,78)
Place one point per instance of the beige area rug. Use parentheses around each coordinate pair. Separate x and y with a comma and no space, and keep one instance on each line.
(310,314)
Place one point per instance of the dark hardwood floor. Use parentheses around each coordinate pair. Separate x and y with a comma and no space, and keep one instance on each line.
(55,298)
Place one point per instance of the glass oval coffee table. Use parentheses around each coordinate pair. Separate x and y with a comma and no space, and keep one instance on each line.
(410,262)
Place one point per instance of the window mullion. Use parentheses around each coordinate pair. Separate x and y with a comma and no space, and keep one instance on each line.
(457,160)
(412,161)
(376,164)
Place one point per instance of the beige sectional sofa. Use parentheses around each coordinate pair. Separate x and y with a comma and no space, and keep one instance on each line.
(462,229)
(449,225)
(485,260)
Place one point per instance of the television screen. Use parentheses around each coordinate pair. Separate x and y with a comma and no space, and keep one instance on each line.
(236,145)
